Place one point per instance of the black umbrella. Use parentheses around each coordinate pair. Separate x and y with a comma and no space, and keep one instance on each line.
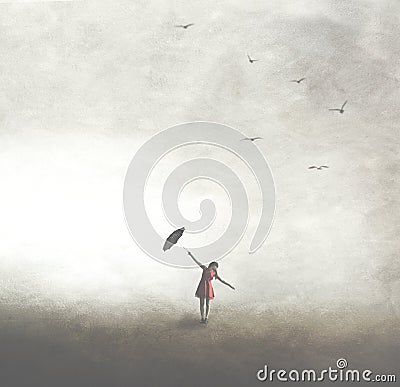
(173,238)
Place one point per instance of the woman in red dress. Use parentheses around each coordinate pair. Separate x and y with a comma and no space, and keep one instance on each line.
(205,291)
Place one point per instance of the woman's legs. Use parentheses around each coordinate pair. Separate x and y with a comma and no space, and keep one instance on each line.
(202,307)
(207,307)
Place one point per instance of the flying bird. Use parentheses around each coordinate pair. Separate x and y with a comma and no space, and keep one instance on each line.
(185,26)
(319,167)
(298,80)
(341,110)
(251,139)
(252,60)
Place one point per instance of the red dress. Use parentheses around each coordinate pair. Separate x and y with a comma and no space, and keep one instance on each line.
(205,289)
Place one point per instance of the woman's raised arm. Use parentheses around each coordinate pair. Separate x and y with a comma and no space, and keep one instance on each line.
(194,259)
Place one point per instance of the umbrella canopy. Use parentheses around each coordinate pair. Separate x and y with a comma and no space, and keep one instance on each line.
(173,238)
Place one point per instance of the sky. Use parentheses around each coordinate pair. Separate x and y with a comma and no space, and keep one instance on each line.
(85,84)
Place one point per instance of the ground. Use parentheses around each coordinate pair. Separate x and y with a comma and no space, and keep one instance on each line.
(166,346)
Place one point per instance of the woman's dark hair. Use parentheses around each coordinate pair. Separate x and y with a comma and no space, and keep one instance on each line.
(213,264)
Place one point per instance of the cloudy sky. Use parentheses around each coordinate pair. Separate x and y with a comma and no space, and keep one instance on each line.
(85,84)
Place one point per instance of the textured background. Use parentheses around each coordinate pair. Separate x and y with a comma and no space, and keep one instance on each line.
(84,84)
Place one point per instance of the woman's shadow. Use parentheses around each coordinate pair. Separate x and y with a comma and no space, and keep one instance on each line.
(190,322)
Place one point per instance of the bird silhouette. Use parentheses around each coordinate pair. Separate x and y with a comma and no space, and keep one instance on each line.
(252,60)
(298,80)
(185,26)
(319,167)
(341,110)
(251,139)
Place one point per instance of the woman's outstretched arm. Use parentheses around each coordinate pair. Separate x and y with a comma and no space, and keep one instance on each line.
(194,259)
(224,282)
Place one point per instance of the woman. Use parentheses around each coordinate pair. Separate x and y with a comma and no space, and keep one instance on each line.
(205,291)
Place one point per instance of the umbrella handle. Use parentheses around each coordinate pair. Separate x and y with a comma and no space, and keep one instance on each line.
(184,248)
